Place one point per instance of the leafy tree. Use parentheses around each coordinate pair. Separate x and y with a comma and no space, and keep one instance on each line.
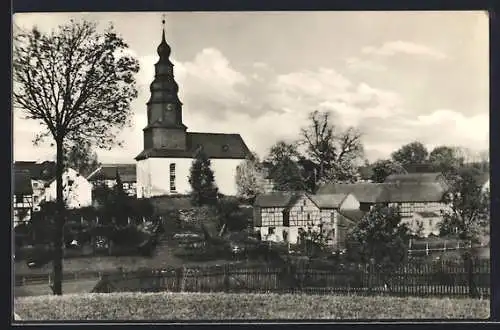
(78,84)
(335,152)
(121,205)
(414,153)
(381,169)
(469,210)
(446,160)
(202,180)
(232,215)
(380,236)
(249,178)
(313,240)
(419,230)
(285,172)
(81,158)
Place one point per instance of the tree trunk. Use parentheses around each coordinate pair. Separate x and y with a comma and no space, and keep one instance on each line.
(59,221)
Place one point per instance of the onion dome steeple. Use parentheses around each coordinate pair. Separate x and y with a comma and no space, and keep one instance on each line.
(163,49)
(165,129)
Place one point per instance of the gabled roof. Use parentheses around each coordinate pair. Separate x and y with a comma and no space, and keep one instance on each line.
(414,178)
(413,187)
(286,199)
(215,145)
(365,192)
(328,201)
(277,198)
(22,183)
(412,192)
(38,171)
(127,172)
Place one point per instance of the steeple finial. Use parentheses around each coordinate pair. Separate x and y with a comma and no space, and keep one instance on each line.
(163,27)
(163,49)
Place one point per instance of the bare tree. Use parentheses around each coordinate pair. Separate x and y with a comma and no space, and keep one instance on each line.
(78,83)
(335,152)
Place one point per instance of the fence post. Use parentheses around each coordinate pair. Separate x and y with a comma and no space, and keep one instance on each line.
(178,279)
(427,249)
(227,284)
(470,273)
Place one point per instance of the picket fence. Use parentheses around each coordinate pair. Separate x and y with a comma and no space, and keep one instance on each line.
(437,279)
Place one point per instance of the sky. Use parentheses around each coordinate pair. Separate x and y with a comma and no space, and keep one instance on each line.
(398,77)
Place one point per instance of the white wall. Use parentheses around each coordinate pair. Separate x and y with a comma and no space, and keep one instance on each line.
(76,196)
(153,176)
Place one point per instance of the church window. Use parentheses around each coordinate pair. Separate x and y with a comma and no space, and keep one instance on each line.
(225,147)
(172,177)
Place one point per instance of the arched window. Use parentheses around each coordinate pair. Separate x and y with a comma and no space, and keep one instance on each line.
(172,177)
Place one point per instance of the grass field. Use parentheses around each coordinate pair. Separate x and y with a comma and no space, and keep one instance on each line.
(217,306)
(81,286)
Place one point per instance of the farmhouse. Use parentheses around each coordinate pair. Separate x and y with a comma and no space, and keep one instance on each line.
(280,215)
(40,173)
(164,163)
(412,193)
(77,191)
(107,173)
(365,192)
(22,197)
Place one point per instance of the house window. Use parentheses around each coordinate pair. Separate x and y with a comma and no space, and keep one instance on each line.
(19,199)
(270,230)
(35,199)
(430,222)
(286,218)
(301,209)
(172,177)
(308,216)
(285,235)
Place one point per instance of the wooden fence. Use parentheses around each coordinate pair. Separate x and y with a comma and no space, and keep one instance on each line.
(470,279)
(442,279)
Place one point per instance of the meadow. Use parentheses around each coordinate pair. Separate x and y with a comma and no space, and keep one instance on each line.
(224,306)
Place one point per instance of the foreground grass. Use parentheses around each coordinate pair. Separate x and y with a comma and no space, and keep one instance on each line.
(213,306)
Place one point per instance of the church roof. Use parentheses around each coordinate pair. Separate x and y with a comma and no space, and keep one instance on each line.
(215,146)
(108,172)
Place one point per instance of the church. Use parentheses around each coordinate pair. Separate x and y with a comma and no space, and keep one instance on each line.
(163,166)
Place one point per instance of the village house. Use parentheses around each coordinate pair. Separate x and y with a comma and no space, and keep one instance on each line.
(107,174)
(412,193)
(281,215)
(22,197)
(40,173)
(77,190)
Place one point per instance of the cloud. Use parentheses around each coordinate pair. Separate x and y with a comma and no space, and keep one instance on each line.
(264,107)
(439,127)
(355,63)
(404,47)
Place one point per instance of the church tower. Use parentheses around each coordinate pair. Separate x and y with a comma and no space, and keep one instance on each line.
(165,129)
(163,166)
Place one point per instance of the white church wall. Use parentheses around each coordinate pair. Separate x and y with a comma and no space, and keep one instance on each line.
(153,176)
